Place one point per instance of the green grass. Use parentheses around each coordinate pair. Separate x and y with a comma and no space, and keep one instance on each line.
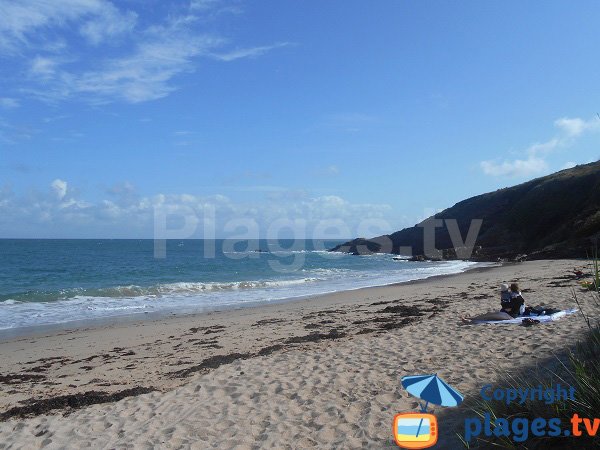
(594,287)
(594,283)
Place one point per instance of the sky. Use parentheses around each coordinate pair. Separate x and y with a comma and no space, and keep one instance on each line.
(215,118)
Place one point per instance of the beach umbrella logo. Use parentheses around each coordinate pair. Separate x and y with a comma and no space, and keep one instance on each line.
(416,430)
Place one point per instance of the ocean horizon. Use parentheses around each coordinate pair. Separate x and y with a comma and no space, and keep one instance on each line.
(58,281)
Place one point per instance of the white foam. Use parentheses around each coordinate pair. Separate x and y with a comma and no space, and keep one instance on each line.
(9,301)
(199,297)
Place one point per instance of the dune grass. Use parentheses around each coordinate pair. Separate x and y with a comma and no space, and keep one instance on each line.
(594,287)
(593,284)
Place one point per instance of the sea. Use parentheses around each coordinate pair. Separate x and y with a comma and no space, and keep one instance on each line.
(62,281)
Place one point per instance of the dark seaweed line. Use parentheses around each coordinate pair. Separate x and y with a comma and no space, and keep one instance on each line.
(70,402)
(219,360)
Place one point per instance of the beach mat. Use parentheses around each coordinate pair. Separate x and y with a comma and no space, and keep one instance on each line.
(542,319)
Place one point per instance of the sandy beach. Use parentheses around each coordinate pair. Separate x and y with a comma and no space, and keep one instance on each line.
(321,372)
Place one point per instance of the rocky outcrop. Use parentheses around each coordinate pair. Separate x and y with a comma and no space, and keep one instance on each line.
(556,216)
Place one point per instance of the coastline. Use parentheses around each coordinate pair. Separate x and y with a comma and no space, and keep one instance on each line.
(174,355)
(134,318)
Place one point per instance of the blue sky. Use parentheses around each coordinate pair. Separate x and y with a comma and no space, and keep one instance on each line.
(283,110)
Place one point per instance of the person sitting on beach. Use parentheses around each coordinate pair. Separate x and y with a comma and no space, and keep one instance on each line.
(505,298)
(513,305)
(511,300)
(517,302)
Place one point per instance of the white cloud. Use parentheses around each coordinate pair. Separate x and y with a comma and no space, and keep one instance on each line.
(43,66)
(545,147)
(109,24)
(161,53)
(27,23)
(203,5)
(7,102)
(576,126)
(126,212)
(146,74)
(252,52)
(212,8)
(516,168)
(142,65)
(51,119)
(60,188)
(569,130)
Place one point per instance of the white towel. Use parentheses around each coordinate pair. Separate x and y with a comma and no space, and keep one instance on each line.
(542,319)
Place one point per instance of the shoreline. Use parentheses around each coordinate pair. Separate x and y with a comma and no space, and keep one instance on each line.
(296,345)
(135,318)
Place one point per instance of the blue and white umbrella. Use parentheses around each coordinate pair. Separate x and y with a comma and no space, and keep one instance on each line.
(432,389)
